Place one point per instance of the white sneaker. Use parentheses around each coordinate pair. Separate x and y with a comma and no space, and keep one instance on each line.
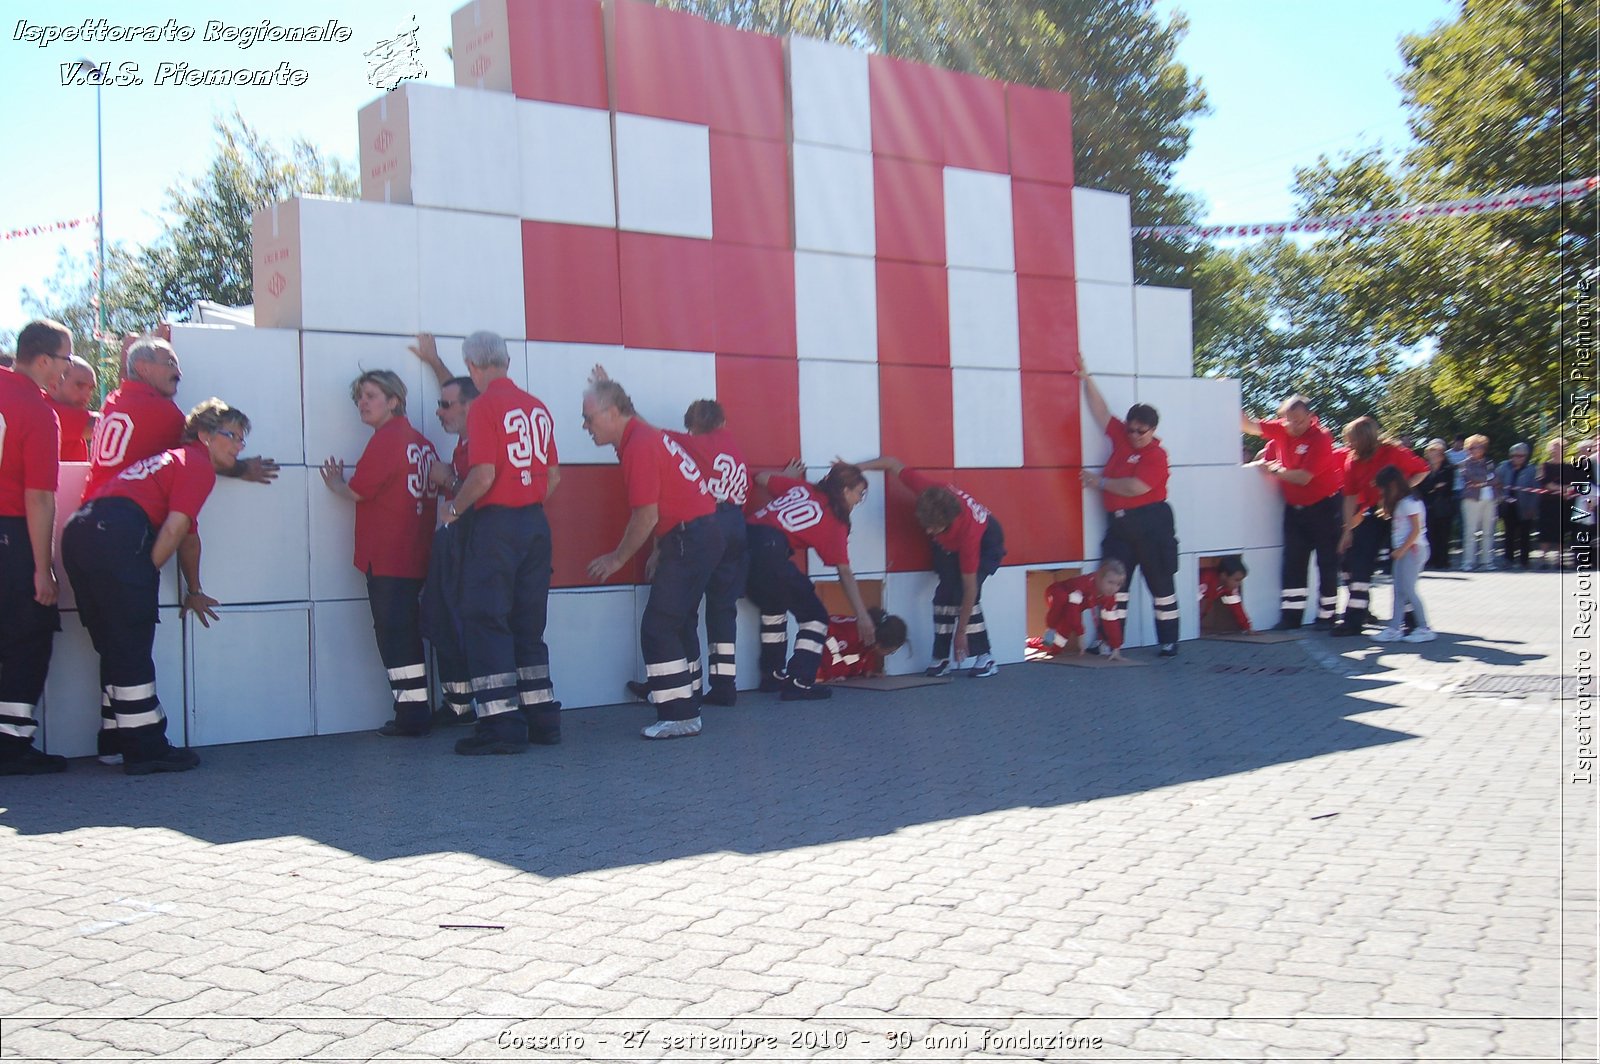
(672,729)
(984,668)
(110,759)
(1390,635)
(1421,635)
(939,668)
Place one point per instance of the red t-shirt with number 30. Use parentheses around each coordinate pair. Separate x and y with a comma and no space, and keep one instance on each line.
(395,517)
(512,431)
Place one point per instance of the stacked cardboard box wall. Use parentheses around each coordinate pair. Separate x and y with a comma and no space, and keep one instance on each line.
(854,254)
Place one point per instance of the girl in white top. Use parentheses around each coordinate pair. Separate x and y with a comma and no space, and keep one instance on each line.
(1408,548)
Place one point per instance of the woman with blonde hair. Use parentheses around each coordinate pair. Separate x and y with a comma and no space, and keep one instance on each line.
(396,506)
(113,550)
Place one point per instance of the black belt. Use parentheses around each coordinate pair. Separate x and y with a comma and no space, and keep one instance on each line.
(686,525)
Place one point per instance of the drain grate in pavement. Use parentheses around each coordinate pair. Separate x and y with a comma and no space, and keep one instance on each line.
(1259,670)
(1520,686)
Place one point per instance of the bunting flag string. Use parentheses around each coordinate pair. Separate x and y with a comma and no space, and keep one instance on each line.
(1512,200)
(51,227)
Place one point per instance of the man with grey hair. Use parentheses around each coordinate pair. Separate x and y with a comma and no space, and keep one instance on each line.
(670,503)
(140,419)
(505,578)
(137,421)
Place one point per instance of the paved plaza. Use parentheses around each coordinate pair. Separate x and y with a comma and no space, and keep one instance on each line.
(1323,849)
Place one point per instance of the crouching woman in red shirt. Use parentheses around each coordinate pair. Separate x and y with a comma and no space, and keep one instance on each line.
(113,549)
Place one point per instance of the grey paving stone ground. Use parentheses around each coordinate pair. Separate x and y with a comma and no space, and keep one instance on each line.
(1317,850)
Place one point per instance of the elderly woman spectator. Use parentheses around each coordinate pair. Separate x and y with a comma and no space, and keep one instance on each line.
(1438,490)
(1558,482)
(1519,504)
(1480,492)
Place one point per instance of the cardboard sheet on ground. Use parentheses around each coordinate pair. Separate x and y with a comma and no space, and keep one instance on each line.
(890,683)
(1254,637)
(1090,661)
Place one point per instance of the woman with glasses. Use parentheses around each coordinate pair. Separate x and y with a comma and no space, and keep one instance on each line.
(802,516)
(396,506)
(1139,527)
(113,549)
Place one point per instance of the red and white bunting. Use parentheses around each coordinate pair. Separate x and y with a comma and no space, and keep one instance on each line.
(50,227)
(1512,200)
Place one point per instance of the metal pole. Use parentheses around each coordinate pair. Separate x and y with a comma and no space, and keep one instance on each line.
(100,182)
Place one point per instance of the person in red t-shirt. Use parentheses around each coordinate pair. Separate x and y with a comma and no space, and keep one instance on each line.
(505,580)
(1302,462)
(845,656)
(669,500)
(722,463)
(396,506)
(30,465)
(441,620)
(802,516)
(1366,530)
(70,399)
(1139,528)
(140,419)
(968,545)
(1219,585)
(114,548)
(1066,603)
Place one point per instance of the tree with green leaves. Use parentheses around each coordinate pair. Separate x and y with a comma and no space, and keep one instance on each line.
(204,252)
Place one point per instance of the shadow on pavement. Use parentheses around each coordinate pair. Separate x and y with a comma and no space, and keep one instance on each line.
(764,776)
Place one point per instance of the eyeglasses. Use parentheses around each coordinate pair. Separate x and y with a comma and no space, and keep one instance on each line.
(229,434)
(446,404)
(1142,431)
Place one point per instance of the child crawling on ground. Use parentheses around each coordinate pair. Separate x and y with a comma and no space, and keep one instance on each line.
(844,656)
(1219,585)
(1068,600)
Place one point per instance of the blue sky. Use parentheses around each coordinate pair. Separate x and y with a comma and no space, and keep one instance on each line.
(1287,81)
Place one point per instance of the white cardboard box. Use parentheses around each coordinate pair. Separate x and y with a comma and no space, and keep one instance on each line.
(833,201)
(335,265)
(1163,331)
(1105,328)
(831,94)
(984,330)
(263,694)
(440,146)
(566,164)
(469,274)
(1102,239)
(838,410)
(977,220)
(836,307)
(257,370)
(352,688)
(663,177)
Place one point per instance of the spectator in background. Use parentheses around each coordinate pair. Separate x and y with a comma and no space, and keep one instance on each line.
(1438,490)
(1457,455)
(1480,495)
(1558,481)
(1519,504)
(71,398)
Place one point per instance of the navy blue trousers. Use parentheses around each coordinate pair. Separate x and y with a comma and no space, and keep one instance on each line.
(723,592)
(106,550)
(669,634)
(505,593)
(947,596)
(395,602)
(1145,538)
(777,587)
(27,635)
